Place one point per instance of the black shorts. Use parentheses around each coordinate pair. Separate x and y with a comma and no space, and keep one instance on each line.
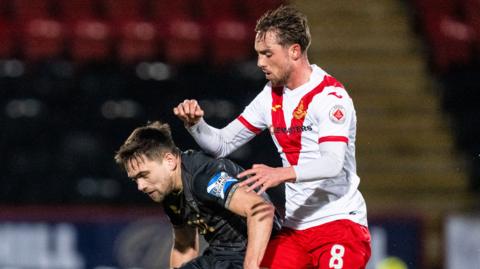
(217,260)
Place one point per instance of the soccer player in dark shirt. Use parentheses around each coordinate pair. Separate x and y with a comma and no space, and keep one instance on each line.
(201,196)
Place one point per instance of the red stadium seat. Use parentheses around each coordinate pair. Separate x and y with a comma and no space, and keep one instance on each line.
(165,11)
(122,10)
(137,41)
(7,41)
(41,36)
(181,36)
(90,40)
(89,35)
(231,41)
(74,10)
(217,9)
(42,39)
(472,14)
(451,43)
(230,37)
(135,37)
(449,37)
(256,8)
(24,10)
(5,9)
(183,41)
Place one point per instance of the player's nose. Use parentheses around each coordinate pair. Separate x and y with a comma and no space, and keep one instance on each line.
(141,186)
(260,62)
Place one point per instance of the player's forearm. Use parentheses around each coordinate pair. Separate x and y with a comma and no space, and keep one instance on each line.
(329,164)
(259,224)
(219,142)
(206,136)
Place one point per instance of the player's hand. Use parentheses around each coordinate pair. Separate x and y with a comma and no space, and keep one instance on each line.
(266,177)
(189,111)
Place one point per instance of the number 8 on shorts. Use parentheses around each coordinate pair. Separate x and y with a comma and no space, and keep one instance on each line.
(337,252)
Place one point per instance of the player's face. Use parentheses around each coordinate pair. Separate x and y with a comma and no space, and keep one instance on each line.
(273,58)
(152,177)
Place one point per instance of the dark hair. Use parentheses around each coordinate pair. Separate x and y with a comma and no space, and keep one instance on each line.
(288,23)
(152,140)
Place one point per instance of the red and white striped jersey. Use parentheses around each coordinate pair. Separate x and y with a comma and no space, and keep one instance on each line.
(312,126)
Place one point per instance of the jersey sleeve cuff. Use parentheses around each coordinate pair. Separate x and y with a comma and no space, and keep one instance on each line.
(333,138)
(230,195)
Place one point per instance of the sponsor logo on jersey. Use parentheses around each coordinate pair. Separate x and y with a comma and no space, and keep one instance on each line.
(290,130)
(300,112)
(337,114)
(219,183)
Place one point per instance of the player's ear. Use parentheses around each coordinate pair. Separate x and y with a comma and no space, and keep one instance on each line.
(295,51)
(170,160)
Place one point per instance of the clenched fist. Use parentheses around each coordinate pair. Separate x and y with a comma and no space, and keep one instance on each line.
(189,111)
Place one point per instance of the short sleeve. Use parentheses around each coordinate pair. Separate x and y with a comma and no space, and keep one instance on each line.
(254,115)
(334,113)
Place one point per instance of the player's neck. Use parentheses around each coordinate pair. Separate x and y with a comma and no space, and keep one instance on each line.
(300,75)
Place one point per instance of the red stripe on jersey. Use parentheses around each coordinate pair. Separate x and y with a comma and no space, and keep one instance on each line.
(333,139)
(249,125)
(291,142)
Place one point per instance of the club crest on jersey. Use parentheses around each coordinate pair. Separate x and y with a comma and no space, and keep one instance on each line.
(219,183)
(337,114)
(300,112)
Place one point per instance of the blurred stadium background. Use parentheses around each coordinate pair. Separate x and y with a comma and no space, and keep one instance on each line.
(77,75)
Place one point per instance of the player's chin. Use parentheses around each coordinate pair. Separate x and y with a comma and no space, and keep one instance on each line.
(157,197)
(275,81)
